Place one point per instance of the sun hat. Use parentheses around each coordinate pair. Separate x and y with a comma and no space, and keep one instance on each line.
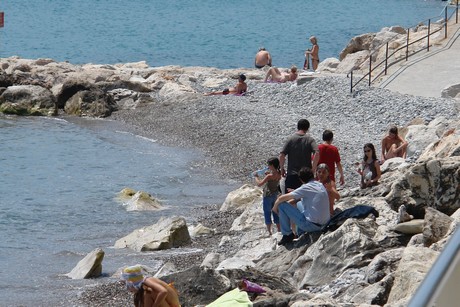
(133,276)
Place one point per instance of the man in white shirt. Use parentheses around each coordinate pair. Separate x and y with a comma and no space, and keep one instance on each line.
(311,213)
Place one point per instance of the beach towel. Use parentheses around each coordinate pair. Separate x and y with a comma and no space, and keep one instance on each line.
(234,298)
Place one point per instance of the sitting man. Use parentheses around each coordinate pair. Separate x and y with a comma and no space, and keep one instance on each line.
(393,145)
(275,75)
(263,58)
(240,88)
(311,213)
(322,173)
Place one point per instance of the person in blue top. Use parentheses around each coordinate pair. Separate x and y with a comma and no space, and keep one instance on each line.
(311,212)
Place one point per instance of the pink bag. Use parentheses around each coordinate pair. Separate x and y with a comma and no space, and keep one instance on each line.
(248,286)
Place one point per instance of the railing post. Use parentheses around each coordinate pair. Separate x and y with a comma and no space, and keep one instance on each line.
(351,82)
(370,69)
(407,44)
(428,40)
(445,22)
(456,13)
(386,59)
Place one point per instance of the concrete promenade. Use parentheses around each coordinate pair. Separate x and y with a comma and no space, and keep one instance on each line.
(429,73)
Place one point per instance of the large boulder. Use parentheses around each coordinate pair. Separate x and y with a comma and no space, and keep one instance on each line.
(27,100)
(433,183)
(88,267)
(451,91)
(436,226)
(352,245)
(92,103)
(165,234)
(419,137)
(415,263)
(69,88)
(251,218)
(383,265)
(353,61)
(240,199)
(329,65)
(357,43)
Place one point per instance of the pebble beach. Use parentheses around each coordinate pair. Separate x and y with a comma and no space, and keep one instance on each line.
(238,133)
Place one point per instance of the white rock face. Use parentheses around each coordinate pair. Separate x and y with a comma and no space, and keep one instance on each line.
(415,263)
(419,137)
(167,233)
(242,198)
(251,218)
(235,263)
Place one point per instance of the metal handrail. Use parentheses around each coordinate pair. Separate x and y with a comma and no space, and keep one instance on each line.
(442,25)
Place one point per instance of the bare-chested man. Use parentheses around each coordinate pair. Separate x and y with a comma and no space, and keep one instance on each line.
(263,58)
(393,145)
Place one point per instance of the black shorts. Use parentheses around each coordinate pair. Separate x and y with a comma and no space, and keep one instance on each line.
(292,182)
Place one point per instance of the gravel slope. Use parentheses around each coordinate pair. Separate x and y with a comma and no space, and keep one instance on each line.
(238,134)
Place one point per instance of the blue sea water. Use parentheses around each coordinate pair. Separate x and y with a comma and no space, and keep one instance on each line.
(224,34)
(59,178)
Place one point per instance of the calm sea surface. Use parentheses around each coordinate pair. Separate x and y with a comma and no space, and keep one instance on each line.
(59,179)
(224,34)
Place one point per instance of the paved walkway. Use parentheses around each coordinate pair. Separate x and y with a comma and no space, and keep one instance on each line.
(427,75)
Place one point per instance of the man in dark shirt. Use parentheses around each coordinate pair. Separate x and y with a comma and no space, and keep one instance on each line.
(299,149)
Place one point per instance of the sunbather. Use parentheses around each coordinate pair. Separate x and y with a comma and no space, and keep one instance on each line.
(240,88)
(275,75)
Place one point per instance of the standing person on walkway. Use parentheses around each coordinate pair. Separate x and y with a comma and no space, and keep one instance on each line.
(312,53)
(263,58)
(271,191)
(329,154)
(393,145)
(298,149)
(310,214)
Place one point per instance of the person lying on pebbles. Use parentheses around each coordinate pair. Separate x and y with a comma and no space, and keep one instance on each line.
(240,89)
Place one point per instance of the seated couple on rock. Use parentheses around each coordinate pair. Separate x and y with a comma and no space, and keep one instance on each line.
(275,75)
(240,88)
(309,214)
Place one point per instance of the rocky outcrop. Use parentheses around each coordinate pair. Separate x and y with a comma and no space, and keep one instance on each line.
(451,91)
(93,103)
(88,267)
(27,100)
(242,198)
(96,90)
(415,263)
(434,180)
(357,43)
(167,233)
(355,55)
